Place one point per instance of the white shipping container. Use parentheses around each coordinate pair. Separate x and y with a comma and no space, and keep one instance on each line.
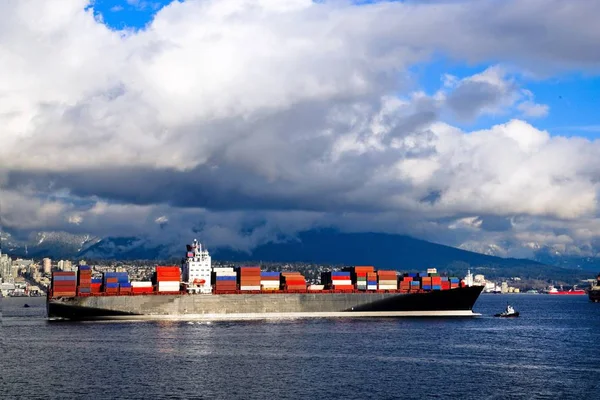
(388,282)
(340,282)
(141,284)
(223,269)
(249,287)
(371,287)
(168,285)
(388,287)
(227,273)
(316,287)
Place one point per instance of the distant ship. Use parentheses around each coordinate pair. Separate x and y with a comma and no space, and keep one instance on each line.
(594,292)
(199,291)
(573,291)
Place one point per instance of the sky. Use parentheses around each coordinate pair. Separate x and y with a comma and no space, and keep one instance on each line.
(469,123)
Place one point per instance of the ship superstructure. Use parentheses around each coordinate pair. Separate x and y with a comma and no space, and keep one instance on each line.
(196,269)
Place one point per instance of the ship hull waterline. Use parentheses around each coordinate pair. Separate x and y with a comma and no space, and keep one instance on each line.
(447,303)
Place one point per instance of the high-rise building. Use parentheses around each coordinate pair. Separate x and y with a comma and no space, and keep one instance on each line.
(65,265)
(47,265)
(6,270)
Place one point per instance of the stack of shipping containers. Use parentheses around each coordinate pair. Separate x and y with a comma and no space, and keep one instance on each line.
(445,283)
(371,281)
(225,279)
(293,281)
(426,282)
(249,278)
(404,283)
(125,288)
(84,279)
(110,282)
(436,281)
(359,275)
(64,283)
(337,280)
(270,280)
(454,282)
(387,280)
(96,286)
(168,279)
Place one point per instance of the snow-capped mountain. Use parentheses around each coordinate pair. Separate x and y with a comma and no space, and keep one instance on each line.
(317,246)
(47,244)
(129,248)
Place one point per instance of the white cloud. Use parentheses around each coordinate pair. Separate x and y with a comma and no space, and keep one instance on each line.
(301,110)
(530,109)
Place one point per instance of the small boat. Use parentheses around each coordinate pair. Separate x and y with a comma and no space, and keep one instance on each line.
(508,313)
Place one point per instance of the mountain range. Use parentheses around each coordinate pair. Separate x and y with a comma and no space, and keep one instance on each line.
(323,246)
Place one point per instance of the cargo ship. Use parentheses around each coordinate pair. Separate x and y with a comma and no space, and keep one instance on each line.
(571,292)
(594,291)
(198,291)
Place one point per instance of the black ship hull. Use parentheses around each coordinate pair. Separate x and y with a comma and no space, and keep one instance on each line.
(454,302)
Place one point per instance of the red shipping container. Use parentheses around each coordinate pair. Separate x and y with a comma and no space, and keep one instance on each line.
(368,268)
(64,294)
(142,290)
(343,287)
(61,284)
(63,273)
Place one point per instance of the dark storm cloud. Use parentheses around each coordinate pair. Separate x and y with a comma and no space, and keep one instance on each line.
(223,188)
(493,223)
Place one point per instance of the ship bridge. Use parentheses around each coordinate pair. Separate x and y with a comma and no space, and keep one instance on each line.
(196,269)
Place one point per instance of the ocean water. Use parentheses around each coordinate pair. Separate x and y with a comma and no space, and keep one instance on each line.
(551,351)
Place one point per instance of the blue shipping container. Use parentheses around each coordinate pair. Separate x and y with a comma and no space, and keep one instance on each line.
(84,290)
(426,287)
(271,274)
(65,278)
(437,287)
(371,282)
(125,285)
(84,268)
(226,278)
(415,283)
(96,280)
(112,285)
(340,274)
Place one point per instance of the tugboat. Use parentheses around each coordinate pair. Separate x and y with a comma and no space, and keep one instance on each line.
(508,313)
